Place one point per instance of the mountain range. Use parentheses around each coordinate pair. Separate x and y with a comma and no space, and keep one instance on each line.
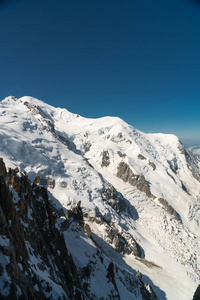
(94,208)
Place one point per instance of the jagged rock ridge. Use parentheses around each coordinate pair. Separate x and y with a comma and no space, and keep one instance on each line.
(35,262)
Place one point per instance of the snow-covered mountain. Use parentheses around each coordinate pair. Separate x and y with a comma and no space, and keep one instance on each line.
(139,193)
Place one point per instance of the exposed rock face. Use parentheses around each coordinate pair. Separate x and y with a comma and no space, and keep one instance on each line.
(37,180)
(140,156)
(173,165)
(197,294)
(125,173)
(111,278)
(50,182)
(121,154)
(152,165)
(87,147)
(46,122)
(76,213)
(105,159)
(169,209)
(31,244)
(115,201)
(123,242)
(36,263)
(88,230)
(192,161)
(119,242)
(15,181)
(146,292)
(151,292)
(2,167)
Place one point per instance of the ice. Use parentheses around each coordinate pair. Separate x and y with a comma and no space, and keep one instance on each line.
(50,142)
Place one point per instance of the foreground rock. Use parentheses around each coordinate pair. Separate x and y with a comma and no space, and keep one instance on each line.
(35,263)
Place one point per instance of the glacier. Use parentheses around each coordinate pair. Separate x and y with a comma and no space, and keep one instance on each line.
(139,193)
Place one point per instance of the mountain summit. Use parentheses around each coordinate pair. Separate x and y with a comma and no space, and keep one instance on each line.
(94,208)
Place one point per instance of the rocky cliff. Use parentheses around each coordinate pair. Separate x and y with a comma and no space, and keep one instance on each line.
(35,263)
(34,259)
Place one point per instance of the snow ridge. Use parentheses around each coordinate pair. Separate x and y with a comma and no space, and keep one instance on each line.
(78,159)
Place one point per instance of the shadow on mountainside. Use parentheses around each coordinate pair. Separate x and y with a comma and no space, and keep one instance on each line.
(118,258)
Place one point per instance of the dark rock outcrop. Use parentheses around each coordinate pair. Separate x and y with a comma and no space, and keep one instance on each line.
(125,173)
(37,180)
(87,147)
(105,159)
(76,213)
(115,201)
(173,165)
(15,181)
(191,160)
(2,168)
(111,278)
(36,262)
(50,181)
(122,241)
(121,154)
(119,203)
(152,165)
(140,156)
(88,230)
(33,246)
(197,294)
(169,209)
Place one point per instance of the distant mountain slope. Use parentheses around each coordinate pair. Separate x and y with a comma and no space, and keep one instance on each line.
(139,195)
(195,150)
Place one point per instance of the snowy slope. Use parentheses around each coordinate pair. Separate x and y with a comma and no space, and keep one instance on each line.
(79,159)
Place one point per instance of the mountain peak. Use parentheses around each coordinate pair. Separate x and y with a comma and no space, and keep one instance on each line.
(139,195)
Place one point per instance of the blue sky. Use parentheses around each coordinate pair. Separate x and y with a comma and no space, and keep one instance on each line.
(136,59)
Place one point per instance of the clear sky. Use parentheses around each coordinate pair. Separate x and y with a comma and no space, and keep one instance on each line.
(136,59)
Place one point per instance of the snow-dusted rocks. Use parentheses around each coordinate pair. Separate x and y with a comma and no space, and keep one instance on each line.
(125,173)
(34,249)
(139,193)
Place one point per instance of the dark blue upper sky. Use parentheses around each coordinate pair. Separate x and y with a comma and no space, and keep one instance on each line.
(136,59)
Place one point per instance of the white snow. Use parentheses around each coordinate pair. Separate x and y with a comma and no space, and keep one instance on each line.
(50,142)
